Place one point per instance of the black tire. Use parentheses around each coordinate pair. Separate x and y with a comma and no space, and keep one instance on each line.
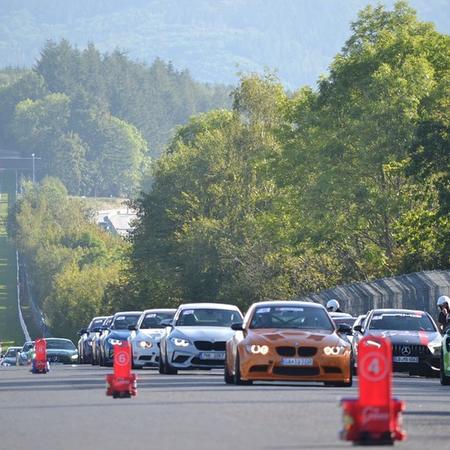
(226,375)
(237,373)
(445,380)
(164,366)
(169,369)
(161,366)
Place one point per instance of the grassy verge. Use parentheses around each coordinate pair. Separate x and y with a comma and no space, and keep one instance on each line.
(10,330)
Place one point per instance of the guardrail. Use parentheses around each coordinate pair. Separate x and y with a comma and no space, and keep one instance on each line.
(22,322)
(418,290)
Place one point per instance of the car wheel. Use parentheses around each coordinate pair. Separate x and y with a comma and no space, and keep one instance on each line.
(237,373)
(445,380)
(226,375)
(162,367)
(169,369)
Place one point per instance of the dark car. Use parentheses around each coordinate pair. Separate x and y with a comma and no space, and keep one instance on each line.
(61,351)
(98,339)
(10,357)
(119,331)
(415,339)
(86,337)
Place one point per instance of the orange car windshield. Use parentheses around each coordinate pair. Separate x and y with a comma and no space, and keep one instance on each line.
(290,317)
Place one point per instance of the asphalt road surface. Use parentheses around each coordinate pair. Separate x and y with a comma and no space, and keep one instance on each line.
(67,409)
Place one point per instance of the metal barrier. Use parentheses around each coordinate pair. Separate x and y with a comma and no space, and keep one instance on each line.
(412,291)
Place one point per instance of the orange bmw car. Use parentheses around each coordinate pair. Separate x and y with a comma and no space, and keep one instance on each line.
(289,341)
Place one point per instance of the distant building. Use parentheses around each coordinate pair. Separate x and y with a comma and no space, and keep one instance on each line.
(116,221)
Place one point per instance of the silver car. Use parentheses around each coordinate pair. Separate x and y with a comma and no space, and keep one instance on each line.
(146,336)
(197,336)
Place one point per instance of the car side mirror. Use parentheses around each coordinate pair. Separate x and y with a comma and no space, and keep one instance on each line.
(344,328)
(167,323)
(132,327)
(237,326)
(82,331)
(95,330)
(358,328)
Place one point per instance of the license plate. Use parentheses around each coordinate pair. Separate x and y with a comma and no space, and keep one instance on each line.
(297,362)
(212,355)
(406,359)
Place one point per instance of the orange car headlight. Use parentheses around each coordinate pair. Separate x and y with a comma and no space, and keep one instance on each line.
(334,350)
(258,349)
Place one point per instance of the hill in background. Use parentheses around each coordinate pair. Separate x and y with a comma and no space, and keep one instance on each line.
(212,39)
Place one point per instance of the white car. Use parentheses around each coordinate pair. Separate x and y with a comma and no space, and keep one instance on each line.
(146,335)
(197,337)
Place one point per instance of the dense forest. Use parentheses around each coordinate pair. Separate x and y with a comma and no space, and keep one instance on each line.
(286,192)
(210,38)
(94,119)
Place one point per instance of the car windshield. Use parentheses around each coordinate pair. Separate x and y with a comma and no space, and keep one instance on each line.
(11,352)
(96,324)
(291,317)
(153,320)
(28,346)
(123,321)
(208,317)
(108,322)
(402,322)
(59,344)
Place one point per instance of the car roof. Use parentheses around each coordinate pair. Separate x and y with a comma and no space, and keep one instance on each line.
(98,318)
(340,315)
(397,311)
(127,313)
(147,311)
(287,303)
(57,339)
(14,347)
(208,305)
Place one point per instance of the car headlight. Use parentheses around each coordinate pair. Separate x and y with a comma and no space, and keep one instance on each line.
(180,342)
(113,341)
(145,344)
(258,349)
(74,356)
(334,350)
(435,347)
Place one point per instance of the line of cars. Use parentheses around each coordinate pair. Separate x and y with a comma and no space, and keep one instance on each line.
(59,350)
(276,340)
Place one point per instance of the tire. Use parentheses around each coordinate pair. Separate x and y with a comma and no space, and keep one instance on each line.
(161,366)
(226,375)
(237,373)
(164,367)
(445,380)
(169,369)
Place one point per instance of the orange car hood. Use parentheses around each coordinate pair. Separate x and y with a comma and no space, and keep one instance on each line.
(275,336)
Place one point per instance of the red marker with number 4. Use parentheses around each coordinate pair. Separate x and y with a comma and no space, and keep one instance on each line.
(375,417)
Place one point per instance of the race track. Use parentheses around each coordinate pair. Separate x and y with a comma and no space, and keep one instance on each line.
(67,409)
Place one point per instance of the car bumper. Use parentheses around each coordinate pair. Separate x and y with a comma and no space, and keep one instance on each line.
(273,368)
(196,359)
(424,364)
(146,357)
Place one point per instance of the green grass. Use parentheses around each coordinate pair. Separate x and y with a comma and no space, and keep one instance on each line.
(10,330)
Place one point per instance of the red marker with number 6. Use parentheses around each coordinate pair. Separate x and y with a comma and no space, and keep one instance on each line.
(122,383)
